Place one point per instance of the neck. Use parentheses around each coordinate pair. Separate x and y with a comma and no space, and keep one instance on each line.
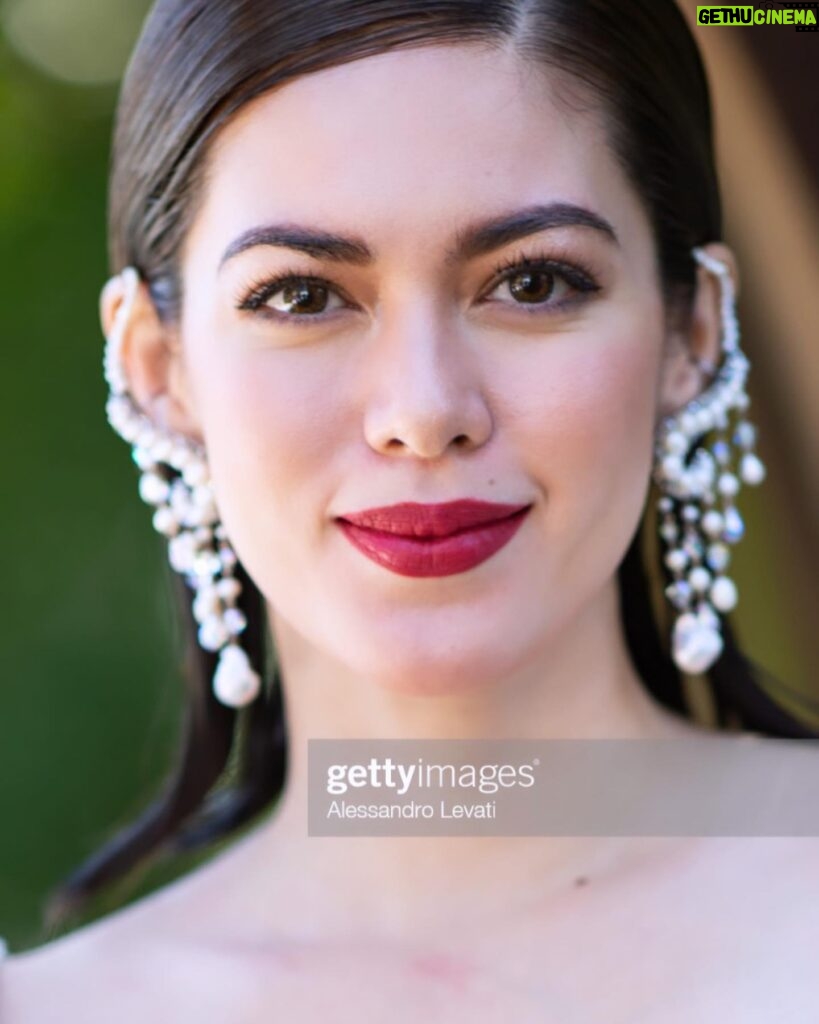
(580,685)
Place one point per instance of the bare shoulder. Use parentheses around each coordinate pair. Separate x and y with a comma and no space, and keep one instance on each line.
(756,943)
(785,868)
(123,968)
(765,888)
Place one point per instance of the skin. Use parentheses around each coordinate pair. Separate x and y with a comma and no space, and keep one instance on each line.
(417,387)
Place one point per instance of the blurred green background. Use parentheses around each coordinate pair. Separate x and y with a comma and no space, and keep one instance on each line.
(90,683)
(90,694)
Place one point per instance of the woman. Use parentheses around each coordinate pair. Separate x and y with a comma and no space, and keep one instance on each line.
(387,256)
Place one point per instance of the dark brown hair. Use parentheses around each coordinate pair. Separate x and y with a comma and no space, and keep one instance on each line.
(195,65)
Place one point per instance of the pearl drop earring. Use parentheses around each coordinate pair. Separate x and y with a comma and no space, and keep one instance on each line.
(175,480)
(699,521)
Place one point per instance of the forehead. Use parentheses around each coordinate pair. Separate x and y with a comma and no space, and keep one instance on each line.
(409,140)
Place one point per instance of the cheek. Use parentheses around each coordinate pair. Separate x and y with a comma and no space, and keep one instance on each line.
(588,438)
(268,420)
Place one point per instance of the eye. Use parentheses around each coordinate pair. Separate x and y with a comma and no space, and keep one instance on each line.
(534,285)
(542,283)
(293,297)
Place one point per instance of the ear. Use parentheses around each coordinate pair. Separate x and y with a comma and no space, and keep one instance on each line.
(152,360)
(681,379)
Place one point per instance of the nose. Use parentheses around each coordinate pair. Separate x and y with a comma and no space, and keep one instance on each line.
(424,389)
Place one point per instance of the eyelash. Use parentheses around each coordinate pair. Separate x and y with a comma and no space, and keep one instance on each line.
(575,274)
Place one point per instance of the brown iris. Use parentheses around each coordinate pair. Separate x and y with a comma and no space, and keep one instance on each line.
(299,297)
(532,285)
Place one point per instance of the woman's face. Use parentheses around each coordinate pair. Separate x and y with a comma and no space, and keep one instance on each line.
(422,372)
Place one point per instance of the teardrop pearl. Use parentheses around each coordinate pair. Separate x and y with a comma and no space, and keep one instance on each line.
(751,469)
(234,682)
(700,578)
(724,594)
(734,526)
(153,489)
(713,523)
(695,645)
(718,557)
(676,560)
(213,633)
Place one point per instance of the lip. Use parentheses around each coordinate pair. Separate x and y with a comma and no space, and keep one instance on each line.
(412,539)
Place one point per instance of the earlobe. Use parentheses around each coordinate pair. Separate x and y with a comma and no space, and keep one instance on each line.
(145,354)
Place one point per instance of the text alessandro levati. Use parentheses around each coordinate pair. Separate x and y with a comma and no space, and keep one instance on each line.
(412,809)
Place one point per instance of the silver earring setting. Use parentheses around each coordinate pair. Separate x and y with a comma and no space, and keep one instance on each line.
(175,481)
(699,520)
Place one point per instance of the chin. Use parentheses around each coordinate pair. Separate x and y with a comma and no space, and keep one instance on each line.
(444,668)
(424,682)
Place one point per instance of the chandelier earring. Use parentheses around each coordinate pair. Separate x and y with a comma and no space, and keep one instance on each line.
(175,481)
(699,481)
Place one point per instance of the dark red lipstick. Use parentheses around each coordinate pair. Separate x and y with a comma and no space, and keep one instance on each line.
(412,539)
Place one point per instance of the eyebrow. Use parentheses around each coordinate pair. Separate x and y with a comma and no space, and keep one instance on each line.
(470,242)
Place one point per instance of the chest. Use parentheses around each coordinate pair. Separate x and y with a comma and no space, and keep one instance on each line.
(638,975)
